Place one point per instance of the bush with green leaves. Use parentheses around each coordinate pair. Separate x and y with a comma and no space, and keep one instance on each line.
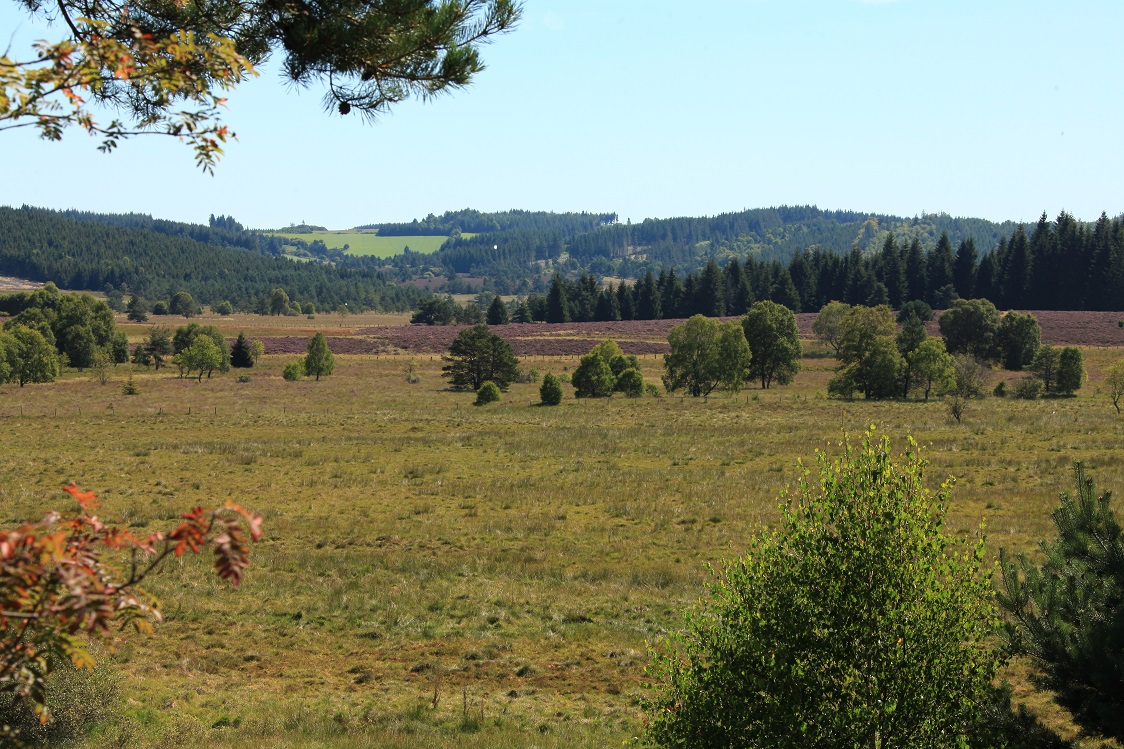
(1071,370)
(1018,339)
(1067,610)
(858,622)
(705,354)
(130,387)
(1029,388)
(631,383)
(551,391)
(294,370)
(596,375)
(869,360)
(489,392)
(971,326)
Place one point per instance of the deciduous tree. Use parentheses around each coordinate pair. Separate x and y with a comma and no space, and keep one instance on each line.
(1071,370)
(774,343)
(931,366)
(318,359)
(869,361)
(826,326)
(858,623)
(1114,383)
(706,353)
(69,577)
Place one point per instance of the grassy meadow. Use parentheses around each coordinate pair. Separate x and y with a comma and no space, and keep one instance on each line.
(370,243)
(440,575)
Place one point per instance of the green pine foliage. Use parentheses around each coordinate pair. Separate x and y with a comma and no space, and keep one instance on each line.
(1066,611)
(478,355)
(859,622)
(550,393)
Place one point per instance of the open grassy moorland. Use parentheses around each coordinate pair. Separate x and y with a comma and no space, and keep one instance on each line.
(369,243)
(436,574)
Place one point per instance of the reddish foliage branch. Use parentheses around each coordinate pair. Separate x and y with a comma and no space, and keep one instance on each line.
(57,586)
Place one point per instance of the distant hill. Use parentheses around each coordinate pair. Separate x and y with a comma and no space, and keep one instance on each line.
(525,244)
(135,253)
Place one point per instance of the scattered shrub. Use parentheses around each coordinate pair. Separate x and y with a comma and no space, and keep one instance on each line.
(410,371)
(1029,388)
(294,370)
(244,378)
(489,392)
(551,391)
(1000,390)
(652,389)
(130,387)
(631,383)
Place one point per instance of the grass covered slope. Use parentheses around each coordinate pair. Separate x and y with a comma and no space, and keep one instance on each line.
(369,243)
(436,574)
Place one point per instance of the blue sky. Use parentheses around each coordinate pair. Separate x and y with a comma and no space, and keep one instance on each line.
(992,108)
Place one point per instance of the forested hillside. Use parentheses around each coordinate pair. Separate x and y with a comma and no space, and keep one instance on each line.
(1059,265)
(604,247)
(43,245)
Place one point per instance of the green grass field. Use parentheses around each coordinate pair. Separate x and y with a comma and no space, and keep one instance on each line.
(369,243)
(439,575)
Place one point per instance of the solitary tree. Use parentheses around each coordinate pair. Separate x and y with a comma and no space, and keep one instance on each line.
(774,343)
(970,327)
(1071,370)
(137,310)
(318,359)
(931,367)
(478,355)
(158,344)
(278,302)
(182,304)
(30,357)
(202,356)
(706,353)
(826,326)
(858,623)
(550,393)
(1018,339)
(240,355)
(597,374)
(1045,367)
(869,361)
(1067,615)
(1114,383)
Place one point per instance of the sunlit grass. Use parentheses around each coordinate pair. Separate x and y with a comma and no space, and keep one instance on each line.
(513,559)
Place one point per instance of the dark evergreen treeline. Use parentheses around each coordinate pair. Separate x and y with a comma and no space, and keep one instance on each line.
(453,223)
(43,245)
(507,258)
(1059,265)
(223,231)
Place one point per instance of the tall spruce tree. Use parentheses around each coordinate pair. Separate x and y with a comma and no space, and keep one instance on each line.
(964,268)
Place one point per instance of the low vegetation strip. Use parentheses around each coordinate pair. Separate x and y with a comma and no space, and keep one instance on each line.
(642,337)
